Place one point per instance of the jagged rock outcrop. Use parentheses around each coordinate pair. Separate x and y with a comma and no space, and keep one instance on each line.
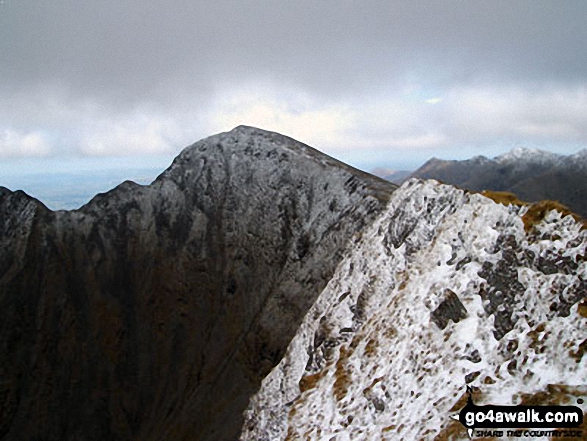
(445,289)
(533,175)
(153,312)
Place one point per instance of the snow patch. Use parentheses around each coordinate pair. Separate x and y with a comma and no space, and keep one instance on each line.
(369,362)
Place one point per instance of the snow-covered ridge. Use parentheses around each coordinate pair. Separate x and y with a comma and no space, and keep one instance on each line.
(527,155)
(445,289)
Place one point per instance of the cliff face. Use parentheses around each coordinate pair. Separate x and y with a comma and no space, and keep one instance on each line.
(154,312)
(445,289)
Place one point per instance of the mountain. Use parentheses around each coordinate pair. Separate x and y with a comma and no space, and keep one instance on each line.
(154,312)
(260,290)
(445,289)
(532,175)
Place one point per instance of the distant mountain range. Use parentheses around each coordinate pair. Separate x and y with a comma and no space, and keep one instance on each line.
(391,174)
(531,174)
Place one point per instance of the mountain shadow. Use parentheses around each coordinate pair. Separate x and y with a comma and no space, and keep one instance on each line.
(154,312)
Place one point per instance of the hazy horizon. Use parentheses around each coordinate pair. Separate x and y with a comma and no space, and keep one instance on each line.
(65,183)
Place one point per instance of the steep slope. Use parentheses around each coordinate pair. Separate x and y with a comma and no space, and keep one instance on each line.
(153,312)
(533,175)
(445,289)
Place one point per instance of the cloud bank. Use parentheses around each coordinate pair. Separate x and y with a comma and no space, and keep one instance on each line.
(408,78)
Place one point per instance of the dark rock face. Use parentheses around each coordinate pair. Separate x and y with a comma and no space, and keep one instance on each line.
(450,308)
(503,285)
(154,312)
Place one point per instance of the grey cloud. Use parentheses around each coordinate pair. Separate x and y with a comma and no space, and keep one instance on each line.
(64,62)
(134,48)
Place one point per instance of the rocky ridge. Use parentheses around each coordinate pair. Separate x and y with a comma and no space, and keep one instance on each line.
(445,289)
(153,312)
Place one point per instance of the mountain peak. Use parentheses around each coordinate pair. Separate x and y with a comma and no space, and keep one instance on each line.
(251,147)
(256,263)
(191,287)
(526,155)
(580,155)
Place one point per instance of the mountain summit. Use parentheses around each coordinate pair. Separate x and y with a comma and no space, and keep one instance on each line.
(154,312)
(525,155)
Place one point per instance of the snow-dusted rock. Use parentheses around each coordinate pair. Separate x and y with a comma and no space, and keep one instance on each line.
(153,312)
(445,289)
(524,156)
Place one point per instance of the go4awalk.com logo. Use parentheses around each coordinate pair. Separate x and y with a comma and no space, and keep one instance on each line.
(520,421)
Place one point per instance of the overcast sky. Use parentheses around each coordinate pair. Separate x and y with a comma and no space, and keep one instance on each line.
(388,81)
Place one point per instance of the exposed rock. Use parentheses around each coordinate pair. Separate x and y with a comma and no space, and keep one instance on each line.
(503,321)
(153,312)
(450,308)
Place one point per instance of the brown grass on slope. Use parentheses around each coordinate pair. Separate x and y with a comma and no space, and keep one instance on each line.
(536,211)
